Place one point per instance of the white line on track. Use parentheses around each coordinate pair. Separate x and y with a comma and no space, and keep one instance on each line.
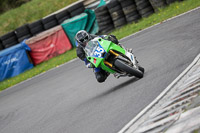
(127,126)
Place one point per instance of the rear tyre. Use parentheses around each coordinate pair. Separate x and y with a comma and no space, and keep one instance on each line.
(125,67)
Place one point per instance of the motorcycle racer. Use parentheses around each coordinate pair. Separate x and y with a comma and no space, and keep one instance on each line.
(82,37)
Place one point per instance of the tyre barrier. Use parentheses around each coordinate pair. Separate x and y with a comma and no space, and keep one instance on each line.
(76,9)
(23,32)
(62,16)
(158,4)
(117,14)
(49,22)
(144,8)
(130,10)
(36,27)
(104,20)
(9,39)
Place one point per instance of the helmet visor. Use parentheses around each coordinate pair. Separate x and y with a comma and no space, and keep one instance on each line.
(84,39)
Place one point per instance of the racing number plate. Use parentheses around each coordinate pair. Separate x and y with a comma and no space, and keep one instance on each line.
(98,52)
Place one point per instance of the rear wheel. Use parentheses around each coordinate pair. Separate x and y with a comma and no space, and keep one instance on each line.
(126,68)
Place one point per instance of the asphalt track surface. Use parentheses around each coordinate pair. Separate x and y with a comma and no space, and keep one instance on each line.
(69,99)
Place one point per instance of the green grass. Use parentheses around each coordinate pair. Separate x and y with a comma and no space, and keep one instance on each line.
(29,12)
(196,131)
(164,13)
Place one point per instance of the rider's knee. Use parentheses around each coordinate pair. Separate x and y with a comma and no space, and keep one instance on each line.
(100,77)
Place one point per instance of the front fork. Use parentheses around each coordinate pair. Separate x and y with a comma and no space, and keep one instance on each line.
(108,63)
(132,58)
(130,55)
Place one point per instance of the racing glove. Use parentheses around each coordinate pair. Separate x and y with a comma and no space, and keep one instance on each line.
(88,64)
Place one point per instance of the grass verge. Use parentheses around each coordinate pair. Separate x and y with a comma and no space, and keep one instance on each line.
(163,14)
(29,12)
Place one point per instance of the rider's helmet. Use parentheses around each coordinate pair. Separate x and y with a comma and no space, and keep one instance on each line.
(82,37)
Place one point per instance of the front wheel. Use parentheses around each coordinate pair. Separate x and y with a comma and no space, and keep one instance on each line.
(129,69)
(141,69)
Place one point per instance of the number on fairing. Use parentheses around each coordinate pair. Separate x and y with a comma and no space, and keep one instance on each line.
(98,52)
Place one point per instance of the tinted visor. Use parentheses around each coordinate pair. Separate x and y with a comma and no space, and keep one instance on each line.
(83,37)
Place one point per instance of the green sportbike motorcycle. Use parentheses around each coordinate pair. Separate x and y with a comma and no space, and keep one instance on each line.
(112,58)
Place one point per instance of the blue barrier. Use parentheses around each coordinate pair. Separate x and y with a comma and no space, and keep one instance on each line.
(14,60)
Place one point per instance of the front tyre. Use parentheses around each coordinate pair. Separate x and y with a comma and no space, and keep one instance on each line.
(141,69)
(126,68)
